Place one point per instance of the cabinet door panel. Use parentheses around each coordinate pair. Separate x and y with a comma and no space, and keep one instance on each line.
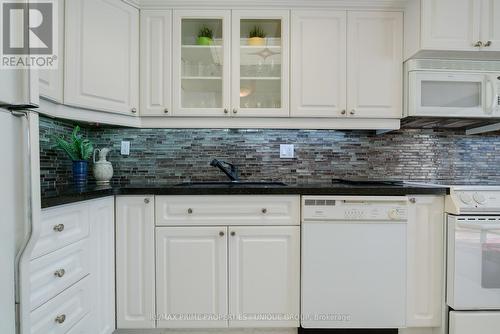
(156,67)
(191,276)
(375,64)
(102,275)
(260,66)
(425,262)
(490,19)
(102,55)
(264,270)
(450,24)
(201,78)
(318,78)
(135,267)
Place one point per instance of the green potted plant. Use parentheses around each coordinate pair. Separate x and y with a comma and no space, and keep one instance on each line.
(256,36)
(205,36)
(79,150)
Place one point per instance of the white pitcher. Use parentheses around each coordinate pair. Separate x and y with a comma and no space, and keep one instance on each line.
(103,169)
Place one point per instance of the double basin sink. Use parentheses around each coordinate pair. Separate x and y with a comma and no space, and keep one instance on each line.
(232,184)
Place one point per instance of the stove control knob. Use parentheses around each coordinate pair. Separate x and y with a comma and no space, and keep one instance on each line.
(479,198)
(394,214)
(465,198)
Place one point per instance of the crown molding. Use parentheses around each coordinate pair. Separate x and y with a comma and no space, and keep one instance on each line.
(245,4)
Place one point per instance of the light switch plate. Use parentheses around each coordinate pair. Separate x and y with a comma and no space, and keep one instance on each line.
(287,151)
(125,150)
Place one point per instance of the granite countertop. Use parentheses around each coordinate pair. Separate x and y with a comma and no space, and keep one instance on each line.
(70,194)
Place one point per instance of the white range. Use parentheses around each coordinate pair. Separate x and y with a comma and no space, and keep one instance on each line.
(473,259)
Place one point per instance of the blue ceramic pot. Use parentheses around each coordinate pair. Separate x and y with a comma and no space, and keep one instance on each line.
(80,169)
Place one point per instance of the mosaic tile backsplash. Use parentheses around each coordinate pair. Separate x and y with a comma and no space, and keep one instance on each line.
(176,155)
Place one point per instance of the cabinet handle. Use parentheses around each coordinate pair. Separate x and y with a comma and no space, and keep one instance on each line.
(133,110)
(146,200)
(60,318)
(413,200)
(190,211)
(264,210)
(233,233)
(221,233)
(343,112)
(59,227)
(488,43)
(235,111)
(352,112)
(478,44)
(165,111)
(59,273)
(226,111)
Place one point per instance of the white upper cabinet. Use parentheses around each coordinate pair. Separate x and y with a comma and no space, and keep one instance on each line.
(264,273)
(318,59)
(451,25)
(490,29)
(375,64)
(156,64)
(260,63)
(201,58)
(102,56)
(191,276)
(135,264)
(51,81)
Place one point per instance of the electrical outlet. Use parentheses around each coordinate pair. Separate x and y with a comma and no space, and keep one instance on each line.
(125,150)
(287,151)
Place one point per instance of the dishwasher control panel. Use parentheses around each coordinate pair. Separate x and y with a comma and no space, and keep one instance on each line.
(354,208)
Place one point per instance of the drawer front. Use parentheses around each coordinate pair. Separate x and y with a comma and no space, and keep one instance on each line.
(61,313)
(83,326)
(54,272)
(228,210)
(61,226)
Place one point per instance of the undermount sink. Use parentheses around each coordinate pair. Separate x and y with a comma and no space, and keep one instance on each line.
(231,184)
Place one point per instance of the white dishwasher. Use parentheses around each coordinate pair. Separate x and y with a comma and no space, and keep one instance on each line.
(354,261)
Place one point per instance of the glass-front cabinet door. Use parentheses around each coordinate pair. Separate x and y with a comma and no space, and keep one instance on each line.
(260,63)
(201,78)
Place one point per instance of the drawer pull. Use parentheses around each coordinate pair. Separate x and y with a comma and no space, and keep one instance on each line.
(233,233)
(60,318)
(59,273)
(221,233)
(146,200)
(264,210)
(190,211)
(59,227)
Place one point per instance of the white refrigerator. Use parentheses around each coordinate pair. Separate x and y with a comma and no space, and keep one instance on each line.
(19,199)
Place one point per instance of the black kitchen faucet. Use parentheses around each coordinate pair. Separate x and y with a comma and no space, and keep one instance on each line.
(231,173)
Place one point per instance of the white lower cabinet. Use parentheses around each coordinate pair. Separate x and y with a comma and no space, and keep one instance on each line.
(135,265)
(191,277)
(264,283)
(425,262)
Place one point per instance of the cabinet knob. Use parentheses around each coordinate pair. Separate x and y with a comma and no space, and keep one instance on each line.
(221,233)
(165,111)
(146,200)
(60,318)
(235,111)
(488,43)
(226,111)
(352,112)
(478,44)
(59,273)
(233,233)
(413,200)
(264,210)
(343,112)
(190,211)
(133,110)
(59,227)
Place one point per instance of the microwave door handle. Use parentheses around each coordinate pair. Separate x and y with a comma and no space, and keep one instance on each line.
(491,87)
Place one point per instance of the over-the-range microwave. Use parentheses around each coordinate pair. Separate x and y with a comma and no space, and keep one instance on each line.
(452,88)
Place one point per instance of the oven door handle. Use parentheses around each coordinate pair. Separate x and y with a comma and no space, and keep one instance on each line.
(479,227)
